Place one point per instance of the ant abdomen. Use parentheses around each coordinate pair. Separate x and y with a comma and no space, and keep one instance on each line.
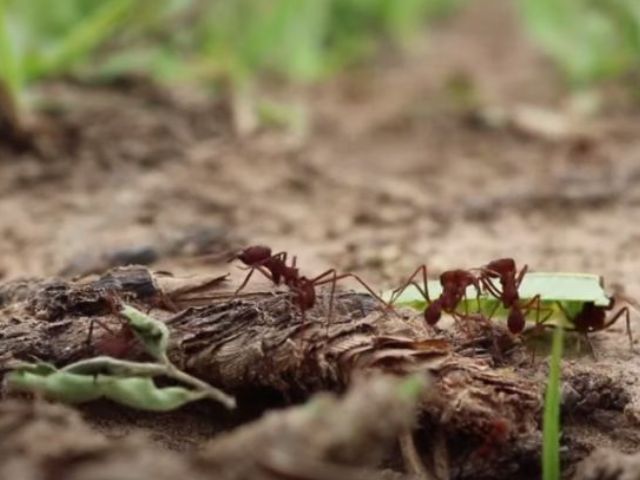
(516,321)
(433,313)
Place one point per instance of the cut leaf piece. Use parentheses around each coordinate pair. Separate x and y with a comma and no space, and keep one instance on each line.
(136,392)
(552,287)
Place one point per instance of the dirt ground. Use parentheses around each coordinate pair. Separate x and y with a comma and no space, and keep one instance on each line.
(396,171)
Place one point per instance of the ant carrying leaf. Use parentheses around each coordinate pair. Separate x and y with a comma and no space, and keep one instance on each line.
(576,301)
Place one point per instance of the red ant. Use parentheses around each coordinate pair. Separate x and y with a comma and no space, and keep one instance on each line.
(506,272)
(497,435)
(454,290)
(118,343)
(593,318)
(275,268)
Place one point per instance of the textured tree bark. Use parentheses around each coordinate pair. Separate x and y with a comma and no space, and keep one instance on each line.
(262,341)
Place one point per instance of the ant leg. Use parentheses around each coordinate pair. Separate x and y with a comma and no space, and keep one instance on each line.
(623,311)
(538,306)
(476,284)
(260,269)
(590,345)
(466,304)
(320,280)
(331,297)
(460,321)
(90,334)
(246,280)
(527,307)
(423,291)
(316,281)
(585,334)
(493,312)
(521,275)
(104,326)
(491,288)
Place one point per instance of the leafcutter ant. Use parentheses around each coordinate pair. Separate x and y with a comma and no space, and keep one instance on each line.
(593,318)
(454,290)
(275,268)
(505,271)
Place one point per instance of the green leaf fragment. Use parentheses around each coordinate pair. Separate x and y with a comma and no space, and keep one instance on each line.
(152,333)
(552,287)
(564,287)
(61,386)
(571,290)
(143,394)
(135,392)
(412,387)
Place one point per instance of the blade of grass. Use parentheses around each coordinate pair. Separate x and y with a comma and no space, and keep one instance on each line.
(10,74)
(551,420)
(83,39)
(11,83)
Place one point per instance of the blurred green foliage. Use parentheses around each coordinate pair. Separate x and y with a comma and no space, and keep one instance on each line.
(239,39)
(299,40)
(42,39)
(590,40)
(230,41)
(296,40)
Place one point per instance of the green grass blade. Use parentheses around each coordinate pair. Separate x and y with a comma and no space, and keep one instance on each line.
(551,420)
(10,72)
(82,40)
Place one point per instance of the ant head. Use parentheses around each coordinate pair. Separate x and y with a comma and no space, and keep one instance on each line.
(254,254)
(453,277)
(502,266)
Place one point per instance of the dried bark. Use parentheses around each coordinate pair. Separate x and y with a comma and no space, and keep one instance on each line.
(262,341)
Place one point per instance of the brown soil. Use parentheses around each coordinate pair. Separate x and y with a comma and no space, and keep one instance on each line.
(396,171)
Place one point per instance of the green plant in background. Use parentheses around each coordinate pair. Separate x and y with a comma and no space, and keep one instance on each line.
(234,44)
(303,39)
(128,383)
(590,40)
(228,43)
(297,40)
(551,417)
(40,39)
